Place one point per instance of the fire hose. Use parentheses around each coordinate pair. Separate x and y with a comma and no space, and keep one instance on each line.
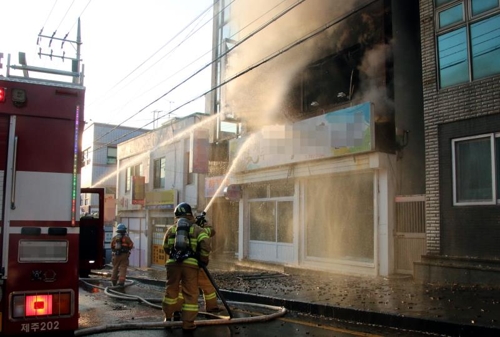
(200,220)
(110,291)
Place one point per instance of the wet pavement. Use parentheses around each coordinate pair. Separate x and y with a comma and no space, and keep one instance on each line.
(448,309)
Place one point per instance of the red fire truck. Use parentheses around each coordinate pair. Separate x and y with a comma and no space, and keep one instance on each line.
(41,124)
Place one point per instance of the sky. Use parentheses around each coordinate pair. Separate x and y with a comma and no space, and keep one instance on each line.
(137,55)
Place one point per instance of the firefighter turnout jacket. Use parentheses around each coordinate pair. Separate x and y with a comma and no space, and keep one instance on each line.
(121,243)
(199,244)
(184,269)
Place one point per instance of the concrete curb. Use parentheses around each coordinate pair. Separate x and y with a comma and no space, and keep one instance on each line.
(366,317)
(425,325)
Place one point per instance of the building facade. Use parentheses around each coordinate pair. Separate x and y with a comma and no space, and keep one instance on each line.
(99,143)
(320,118)
(156,171)
(461,71)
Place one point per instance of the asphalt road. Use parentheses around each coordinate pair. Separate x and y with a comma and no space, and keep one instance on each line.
(113,315)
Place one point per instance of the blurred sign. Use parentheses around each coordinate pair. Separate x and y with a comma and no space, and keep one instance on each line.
(161,199)
(138,190)
(109,208)
(333,134)
(232,193)
(198,154)
(213,187)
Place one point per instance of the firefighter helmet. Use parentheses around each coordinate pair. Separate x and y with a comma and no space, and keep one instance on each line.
(183,209)
(121,228)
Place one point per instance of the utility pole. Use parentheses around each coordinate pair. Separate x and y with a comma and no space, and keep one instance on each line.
(77,69)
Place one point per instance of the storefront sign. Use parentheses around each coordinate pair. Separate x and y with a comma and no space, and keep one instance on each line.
(161,199)
(333,134)
(199,148)
(138,190)
(109,208)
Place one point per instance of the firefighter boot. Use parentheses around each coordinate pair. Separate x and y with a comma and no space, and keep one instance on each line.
(177,316)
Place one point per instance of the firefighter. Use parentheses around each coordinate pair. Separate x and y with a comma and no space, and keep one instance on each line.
(121,244)
(182,265)
(206,287)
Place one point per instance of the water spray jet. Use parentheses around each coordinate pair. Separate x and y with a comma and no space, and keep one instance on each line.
(250,140)
(138,158)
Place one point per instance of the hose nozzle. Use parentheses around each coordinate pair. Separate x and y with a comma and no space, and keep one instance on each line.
(200,219)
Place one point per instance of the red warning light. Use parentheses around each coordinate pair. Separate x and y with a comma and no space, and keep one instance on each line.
(3,94)
(38,305)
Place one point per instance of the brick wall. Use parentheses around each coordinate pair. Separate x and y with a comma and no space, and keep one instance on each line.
(460,102)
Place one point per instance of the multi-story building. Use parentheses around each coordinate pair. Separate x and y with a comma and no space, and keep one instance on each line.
(156,171)
(99,142)
(461,87)
(320,121)
(99,171)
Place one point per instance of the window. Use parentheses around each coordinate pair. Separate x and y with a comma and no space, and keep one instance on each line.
(279,188)
(330,81)
(131,171)
(111,158)
(189,176)
(159,173)
(442,2)
(468,41)
(271,221)
(340,216)
(86,157)
(476,169)
(271,211)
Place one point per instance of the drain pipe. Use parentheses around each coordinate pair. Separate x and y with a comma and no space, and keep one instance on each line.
(280,311)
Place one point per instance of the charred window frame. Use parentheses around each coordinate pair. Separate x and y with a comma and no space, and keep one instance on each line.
(330,81)
(467,40)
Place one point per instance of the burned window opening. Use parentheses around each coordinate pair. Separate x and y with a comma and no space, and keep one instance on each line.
(331,81)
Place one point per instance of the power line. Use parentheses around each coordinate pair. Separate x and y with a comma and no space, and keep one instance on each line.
(150,57)
(221,84)
(203,55)
(48,16)
(81,13)
(152,65)
(263,61)
(64,16)
(210,63)
(156,63)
